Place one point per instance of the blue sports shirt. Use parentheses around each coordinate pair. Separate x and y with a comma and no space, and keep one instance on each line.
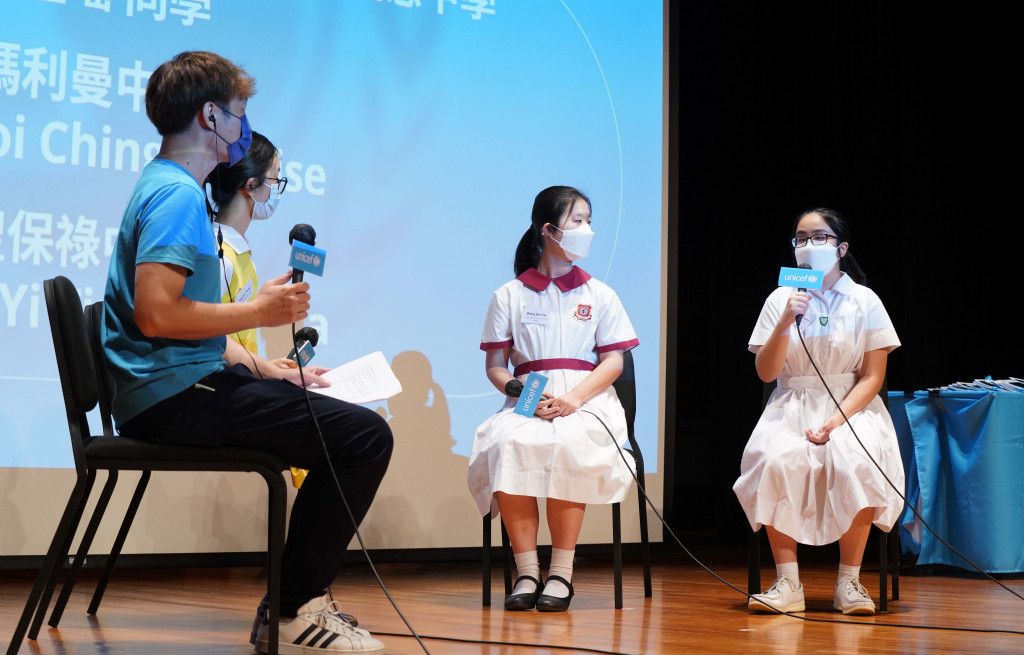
(165,222)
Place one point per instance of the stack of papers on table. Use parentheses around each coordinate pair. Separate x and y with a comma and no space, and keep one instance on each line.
(988,384)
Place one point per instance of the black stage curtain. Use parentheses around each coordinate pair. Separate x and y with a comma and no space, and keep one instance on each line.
(900,118)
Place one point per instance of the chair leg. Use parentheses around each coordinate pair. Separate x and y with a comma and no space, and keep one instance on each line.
(276,505)
(506,558)
(122,535)
(58,563)
(51,562)
(883,570)
(485,552)
(645,540)
(894,557)
(83,548)
(617,552)
(753,562)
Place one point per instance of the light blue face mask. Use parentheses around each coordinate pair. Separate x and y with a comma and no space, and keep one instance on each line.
(237,149)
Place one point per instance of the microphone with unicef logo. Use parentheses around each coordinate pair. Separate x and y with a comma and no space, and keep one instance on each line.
(305,339)
(304,256)
(803,278)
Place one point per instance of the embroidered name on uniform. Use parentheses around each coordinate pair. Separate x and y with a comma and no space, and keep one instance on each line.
(823,320)
(583,313)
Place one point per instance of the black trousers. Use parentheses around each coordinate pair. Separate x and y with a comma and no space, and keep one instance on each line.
(237,409)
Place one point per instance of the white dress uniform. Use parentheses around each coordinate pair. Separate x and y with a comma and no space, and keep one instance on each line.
(808,491)
(556,327)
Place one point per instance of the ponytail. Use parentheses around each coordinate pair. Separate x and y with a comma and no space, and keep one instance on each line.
(527,252)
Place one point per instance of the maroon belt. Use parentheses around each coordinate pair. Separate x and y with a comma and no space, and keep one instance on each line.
(553,364)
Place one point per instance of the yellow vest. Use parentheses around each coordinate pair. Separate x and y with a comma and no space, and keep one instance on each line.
(243,280)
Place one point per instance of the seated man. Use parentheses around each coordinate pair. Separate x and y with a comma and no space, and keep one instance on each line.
(178,380)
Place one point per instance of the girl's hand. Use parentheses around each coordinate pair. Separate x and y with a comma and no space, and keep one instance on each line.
(283,362)
(821,435)
(797,305)
(311,375)
(544,409)
(566,404)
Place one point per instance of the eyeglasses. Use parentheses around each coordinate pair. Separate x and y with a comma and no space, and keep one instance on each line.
(816,239)
(281,182)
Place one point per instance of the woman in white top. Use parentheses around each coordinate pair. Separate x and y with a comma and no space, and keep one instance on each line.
(803,475)
(556,320)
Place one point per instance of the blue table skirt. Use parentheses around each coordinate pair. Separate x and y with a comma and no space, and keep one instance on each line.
(963,454)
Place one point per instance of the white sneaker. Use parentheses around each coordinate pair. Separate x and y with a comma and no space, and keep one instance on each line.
(852,598)
(317,627)
(782,596)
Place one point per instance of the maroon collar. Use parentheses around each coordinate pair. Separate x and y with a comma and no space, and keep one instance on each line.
(537,281)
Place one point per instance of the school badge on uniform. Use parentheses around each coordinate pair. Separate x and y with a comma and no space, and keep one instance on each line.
(823,320)
(582,313)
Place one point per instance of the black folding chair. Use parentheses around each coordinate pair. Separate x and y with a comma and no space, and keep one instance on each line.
(888,542)
(85,381)
(625,387)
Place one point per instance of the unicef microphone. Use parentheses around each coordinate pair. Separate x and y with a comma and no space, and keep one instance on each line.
(305,339)
(304,256)
(803,278)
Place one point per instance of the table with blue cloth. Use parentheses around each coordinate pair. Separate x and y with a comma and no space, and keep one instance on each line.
(963,454)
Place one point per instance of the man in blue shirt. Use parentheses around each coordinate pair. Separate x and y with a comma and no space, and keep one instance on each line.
(178,380)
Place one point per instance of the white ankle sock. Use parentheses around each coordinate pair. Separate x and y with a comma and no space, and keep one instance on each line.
(789,570)
(527,564)
(847,572)
(561,565)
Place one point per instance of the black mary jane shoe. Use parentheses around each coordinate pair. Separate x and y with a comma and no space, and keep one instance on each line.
(520,602)
(547,603)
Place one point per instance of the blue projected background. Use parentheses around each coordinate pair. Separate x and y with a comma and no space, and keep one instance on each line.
(414,134)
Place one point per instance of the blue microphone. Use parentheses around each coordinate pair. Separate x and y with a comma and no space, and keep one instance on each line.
(304,256)
(305,339)
(803,278)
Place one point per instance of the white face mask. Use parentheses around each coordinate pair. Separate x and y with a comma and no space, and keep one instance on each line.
(819,258)
(261,211)
(576,243)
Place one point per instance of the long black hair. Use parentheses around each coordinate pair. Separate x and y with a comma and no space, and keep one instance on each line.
(227,180)
(839,225)
(548,207)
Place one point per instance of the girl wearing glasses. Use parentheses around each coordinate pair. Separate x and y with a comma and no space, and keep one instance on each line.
(553,319)
(803,474)
(238,195)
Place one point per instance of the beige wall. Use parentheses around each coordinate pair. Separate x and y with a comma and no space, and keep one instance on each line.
(226,512)
(423,501)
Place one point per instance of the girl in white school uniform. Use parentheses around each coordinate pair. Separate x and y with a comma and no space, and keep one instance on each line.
(556,320)
(803,474)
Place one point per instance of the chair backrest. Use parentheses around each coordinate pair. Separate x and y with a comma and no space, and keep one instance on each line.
(104,382)
(625,388)
(74,359)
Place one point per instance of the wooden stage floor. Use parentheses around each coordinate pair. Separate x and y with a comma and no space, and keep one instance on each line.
(160,612)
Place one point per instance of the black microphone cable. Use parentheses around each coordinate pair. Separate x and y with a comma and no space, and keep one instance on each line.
(348,509)
(909,505)
(419,638)
(810,619)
